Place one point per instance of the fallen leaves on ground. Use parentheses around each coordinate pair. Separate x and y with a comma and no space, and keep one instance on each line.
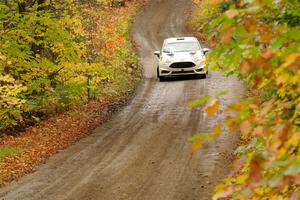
(51,135)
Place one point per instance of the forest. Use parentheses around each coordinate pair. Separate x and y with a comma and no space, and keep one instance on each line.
(56,55)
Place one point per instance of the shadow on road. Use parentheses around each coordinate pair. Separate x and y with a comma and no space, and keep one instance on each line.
(183,78)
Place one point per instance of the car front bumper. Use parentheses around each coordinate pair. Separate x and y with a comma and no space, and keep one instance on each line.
(168,71)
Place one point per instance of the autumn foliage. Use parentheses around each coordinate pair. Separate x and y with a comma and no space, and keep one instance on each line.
(56,55)
(64,67)
(259,42)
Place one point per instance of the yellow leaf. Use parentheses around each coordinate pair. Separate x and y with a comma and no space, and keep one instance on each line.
(281,152)
(196,146)
(2,57)
(294,140)
(212,107)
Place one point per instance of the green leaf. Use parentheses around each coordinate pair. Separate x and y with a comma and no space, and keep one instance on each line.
(241,150)
(200,136)
(275,180)
(293,169)
(275,164)
(199,101)
(221,93)
(277,43)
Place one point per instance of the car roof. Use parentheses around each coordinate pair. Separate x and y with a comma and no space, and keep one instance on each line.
(181,39)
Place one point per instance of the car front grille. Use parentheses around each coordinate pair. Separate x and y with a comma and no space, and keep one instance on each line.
(183,72)
(182,65)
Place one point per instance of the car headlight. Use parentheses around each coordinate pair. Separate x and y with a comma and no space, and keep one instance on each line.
(200,59)
(166,60)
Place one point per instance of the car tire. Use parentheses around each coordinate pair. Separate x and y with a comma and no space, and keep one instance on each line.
(160,78)
(201,76)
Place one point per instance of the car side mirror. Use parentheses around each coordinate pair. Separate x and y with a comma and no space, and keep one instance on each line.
(205,50)
(157,53)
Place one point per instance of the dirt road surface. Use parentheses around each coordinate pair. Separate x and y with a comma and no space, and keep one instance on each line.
(142,152)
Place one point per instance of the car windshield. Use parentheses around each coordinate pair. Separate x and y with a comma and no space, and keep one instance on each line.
(181,46)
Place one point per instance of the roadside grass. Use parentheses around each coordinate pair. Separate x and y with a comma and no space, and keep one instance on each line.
(9,151)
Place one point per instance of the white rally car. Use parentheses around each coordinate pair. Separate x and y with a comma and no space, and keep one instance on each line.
(181,56)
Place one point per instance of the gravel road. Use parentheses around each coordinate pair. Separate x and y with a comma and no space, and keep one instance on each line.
(142,152)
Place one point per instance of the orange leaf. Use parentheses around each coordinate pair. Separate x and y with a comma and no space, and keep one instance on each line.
(266,108)
(231,123)
(258,131)
(290,59)
(297,179)
(212,2)
(226,37)
(267,54)
(245,67)
(245,127)
(196,146)
(250,25)
(255,169)
(266,36)
(212,107)
(231,13)
(217,130)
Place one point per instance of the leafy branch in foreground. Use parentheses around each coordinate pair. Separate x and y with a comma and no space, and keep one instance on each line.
(259,41)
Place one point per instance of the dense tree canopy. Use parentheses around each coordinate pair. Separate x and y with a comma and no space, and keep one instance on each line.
(58,54)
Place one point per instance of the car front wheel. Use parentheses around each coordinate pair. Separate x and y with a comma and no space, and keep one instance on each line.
(201,76)
(160,78)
